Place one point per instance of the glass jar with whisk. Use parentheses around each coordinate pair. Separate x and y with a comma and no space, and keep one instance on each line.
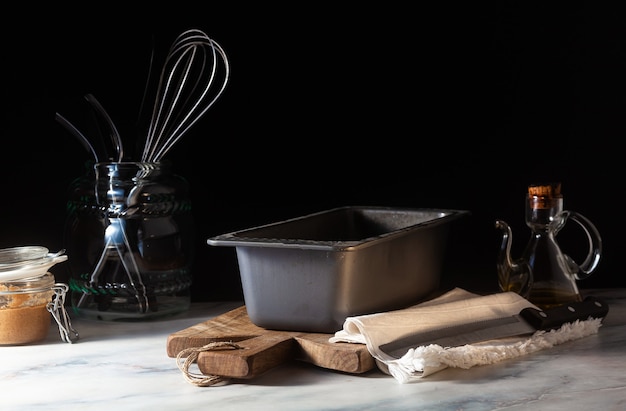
(130,231)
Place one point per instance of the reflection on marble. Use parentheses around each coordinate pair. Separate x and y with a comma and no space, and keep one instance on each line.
(125,366)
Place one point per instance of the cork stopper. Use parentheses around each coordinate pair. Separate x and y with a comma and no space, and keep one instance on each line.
(544,196)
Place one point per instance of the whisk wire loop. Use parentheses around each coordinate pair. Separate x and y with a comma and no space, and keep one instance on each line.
(186,90)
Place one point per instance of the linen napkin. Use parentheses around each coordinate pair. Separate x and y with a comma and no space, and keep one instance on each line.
(455,307)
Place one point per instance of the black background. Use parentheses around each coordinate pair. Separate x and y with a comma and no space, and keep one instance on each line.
(427,106)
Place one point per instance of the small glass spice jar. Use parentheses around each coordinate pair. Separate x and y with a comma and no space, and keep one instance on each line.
(29,295)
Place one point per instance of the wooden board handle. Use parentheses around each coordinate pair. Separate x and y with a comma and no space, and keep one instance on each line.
(256,356)
(346,357)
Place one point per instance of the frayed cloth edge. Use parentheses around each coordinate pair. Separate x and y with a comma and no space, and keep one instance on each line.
(420,362)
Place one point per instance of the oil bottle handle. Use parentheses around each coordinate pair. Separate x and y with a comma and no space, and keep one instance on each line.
(586,268)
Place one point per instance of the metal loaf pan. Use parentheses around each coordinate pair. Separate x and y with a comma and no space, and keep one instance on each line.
(309,273)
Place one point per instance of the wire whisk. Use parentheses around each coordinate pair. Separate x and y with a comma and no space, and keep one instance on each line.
(194,75)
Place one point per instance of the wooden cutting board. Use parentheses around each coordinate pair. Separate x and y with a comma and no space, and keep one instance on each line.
(264,349)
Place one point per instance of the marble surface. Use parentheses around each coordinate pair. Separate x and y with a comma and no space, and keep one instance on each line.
(125,366)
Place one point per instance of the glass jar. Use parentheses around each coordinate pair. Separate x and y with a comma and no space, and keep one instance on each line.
(29,294)
(24,317)
(25,308)
(130,232)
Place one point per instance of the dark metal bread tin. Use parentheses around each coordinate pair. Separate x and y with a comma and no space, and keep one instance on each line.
(309,273)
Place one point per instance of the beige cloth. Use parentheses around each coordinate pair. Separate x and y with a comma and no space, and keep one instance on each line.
(456,307)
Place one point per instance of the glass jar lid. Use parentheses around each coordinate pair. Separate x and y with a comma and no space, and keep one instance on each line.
(19,255)
(18,263)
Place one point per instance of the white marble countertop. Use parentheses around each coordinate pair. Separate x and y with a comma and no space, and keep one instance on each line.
(125,366)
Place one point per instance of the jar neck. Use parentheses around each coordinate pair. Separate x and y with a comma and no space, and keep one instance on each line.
(544,204)
(130,170)
(42,283)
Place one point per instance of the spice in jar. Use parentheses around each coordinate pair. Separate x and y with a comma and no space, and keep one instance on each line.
(29,295)
(24,315)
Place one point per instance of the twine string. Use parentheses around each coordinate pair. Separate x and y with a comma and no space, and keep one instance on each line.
(188,356)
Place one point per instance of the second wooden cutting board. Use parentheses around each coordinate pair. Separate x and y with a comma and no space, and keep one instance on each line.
(264,349)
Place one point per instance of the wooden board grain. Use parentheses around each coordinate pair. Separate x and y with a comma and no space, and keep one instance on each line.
(264,349)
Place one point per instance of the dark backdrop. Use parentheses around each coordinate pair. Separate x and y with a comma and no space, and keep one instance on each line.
(444,107)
